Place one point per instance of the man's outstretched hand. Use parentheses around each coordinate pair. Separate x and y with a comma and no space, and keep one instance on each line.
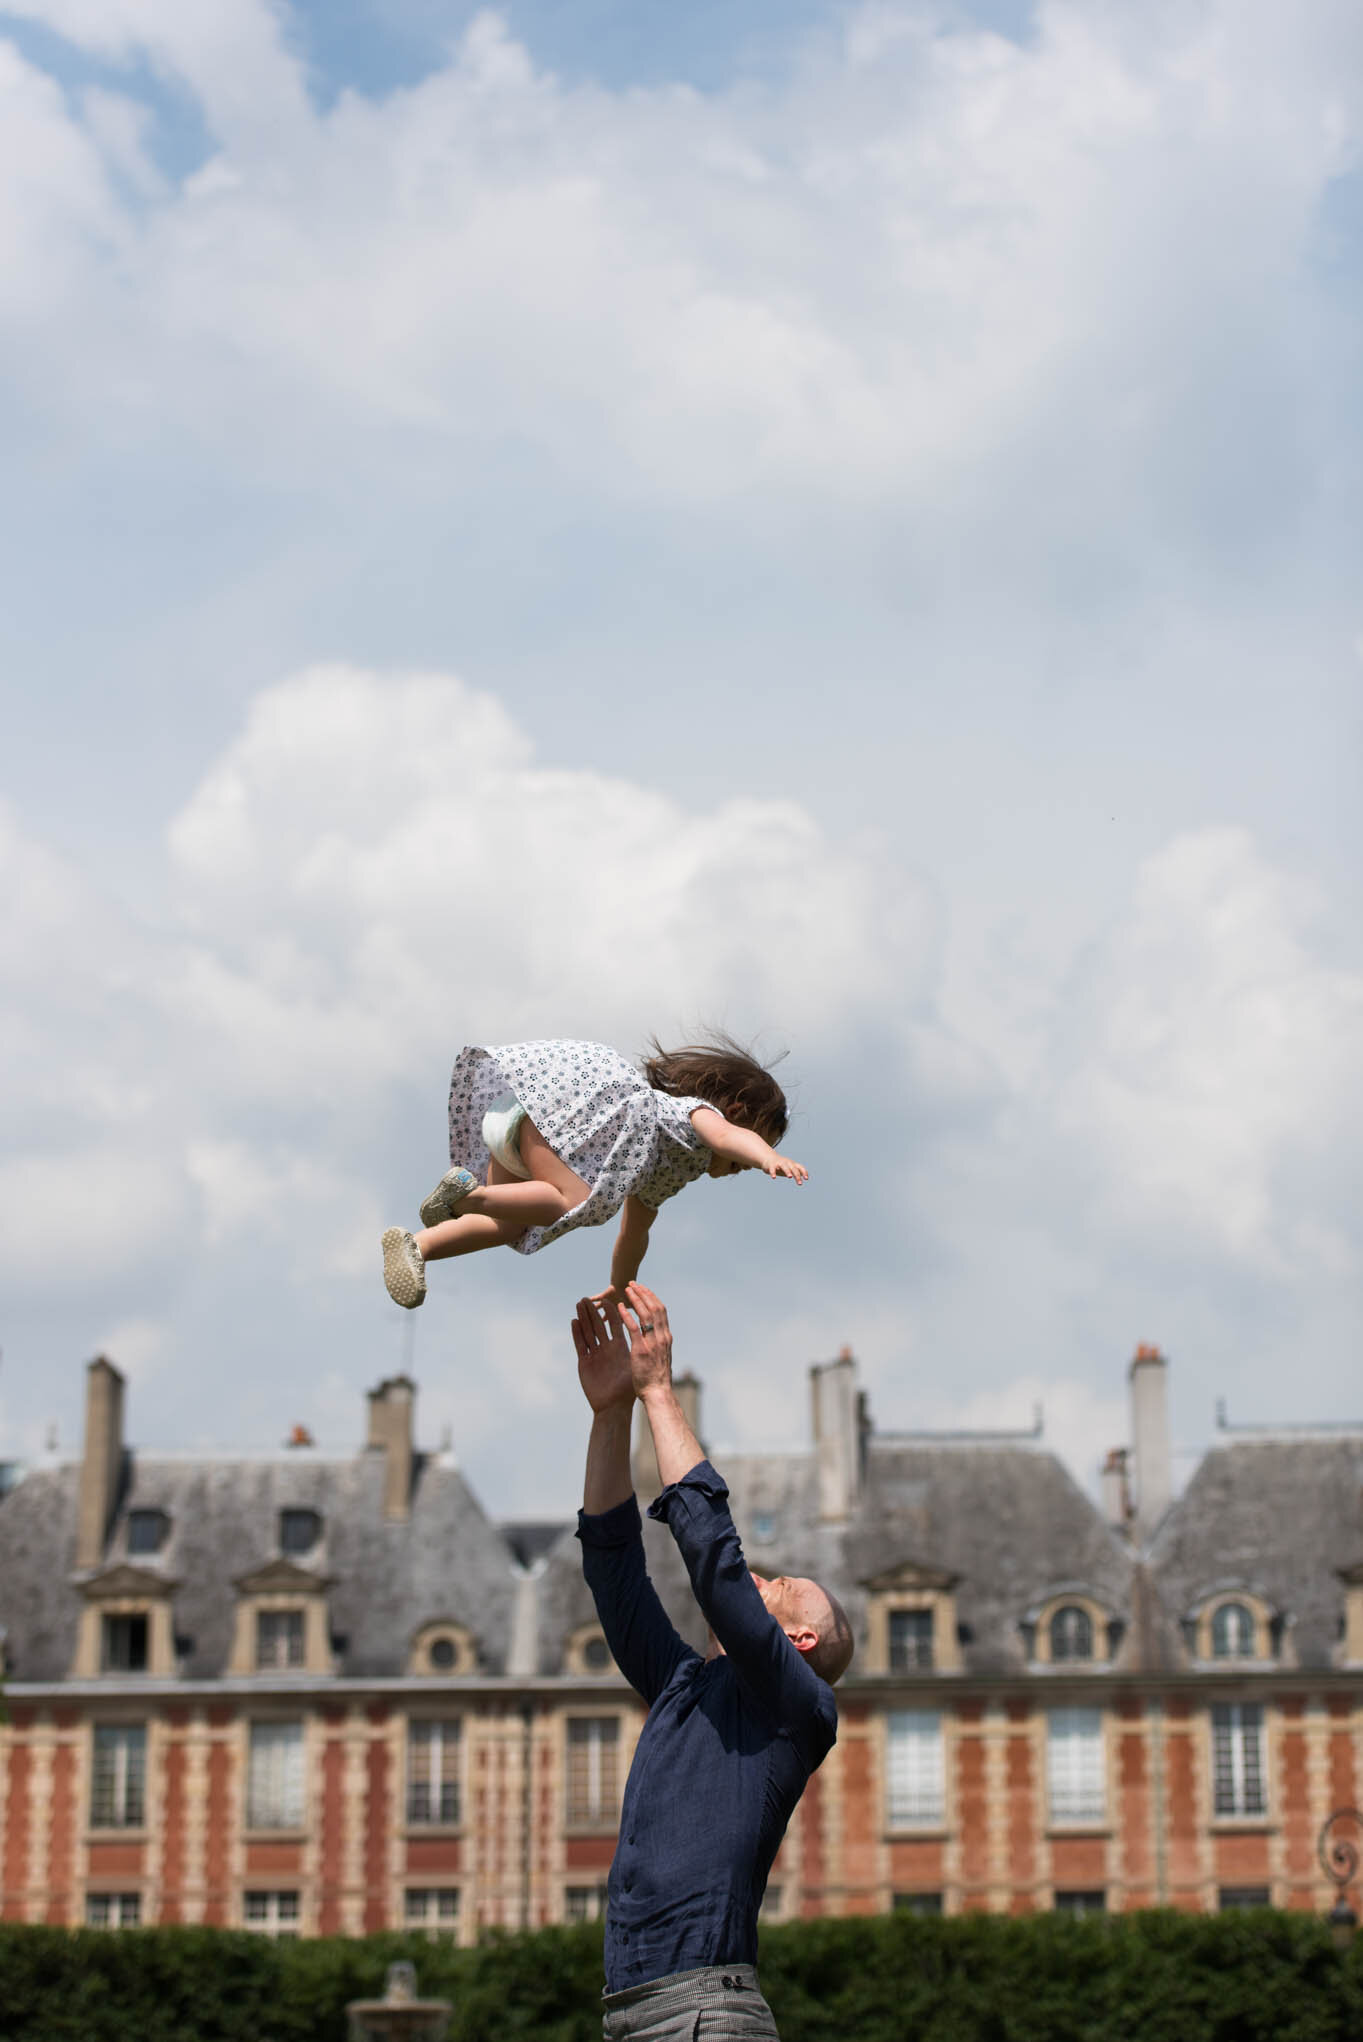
(643,1317)
(602,1355)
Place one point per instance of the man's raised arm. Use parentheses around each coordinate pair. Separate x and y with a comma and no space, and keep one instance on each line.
(764,1653)
(643,1643)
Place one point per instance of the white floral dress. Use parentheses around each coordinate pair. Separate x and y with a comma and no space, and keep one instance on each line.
(599,1115)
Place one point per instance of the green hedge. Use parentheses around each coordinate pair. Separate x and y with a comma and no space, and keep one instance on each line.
(1164,1977)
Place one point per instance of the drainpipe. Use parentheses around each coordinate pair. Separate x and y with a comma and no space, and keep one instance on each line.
(527,1804)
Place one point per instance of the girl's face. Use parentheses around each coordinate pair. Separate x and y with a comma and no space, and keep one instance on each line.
(724,1166)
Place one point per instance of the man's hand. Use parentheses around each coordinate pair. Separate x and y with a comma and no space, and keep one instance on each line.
(603,1359)
(643,1318)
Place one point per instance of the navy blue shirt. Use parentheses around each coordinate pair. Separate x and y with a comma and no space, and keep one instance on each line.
(725,1752)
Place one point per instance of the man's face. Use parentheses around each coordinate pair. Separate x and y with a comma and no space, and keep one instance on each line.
(792,1600)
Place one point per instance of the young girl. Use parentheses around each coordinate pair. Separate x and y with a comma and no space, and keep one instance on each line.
(548,1136)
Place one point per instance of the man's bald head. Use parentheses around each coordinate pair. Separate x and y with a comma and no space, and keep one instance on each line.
(814,1621)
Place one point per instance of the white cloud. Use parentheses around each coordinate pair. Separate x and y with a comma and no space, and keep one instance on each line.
(384,872)
(870,279)
(1217,1063)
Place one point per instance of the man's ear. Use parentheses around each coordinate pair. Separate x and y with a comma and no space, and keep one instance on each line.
(802,1637)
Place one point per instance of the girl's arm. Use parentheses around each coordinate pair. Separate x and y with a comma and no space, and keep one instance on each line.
(631,1243)
(740,1145)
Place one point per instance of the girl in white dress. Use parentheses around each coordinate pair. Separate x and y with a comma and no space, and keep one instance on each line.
(548,1136)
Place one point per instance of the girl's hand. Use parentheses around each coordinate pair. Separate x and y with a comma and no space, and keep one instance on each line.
(786,1166)
(610,1299)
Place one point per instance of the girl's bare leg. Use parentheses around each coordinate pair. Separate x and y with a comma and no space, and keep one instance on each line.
(498,1212)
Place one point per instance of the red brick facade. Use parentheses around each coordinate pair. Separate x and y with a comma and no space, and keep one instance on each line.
(356,1862)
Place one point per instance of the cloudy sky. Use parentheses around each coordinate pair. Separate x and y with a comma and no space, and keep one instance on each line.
(839,521)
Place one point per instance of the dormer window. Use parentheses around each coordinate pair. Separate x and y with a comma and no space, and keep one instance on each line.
(1071,1633)
(585,1651)
(281,1623)
(299,1531)
(147,1530)
(1071,1628)
(125,1625)
(1234,1625)
(123,1644)
(910,1640)
(279,1638)
(443,1647)
(1232,1632)
(911,1621)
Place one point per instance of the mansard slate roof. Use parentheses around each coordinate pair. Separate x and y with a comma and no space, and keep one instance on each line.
(997,1518)
(385,1578)
(1278,1517)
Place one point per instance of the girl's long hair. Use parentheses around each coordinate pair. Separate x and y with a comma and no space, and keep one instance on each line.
(727,1077)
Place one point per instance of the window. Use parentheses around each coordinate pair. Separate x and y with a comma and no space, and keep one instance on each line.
(1231,1898)
(917,1903)
(1232,1632)
(123,1644)
(1071,1633)
(444,1652)
(596,1655)
(593,1751)
(299,1530)
(1238,1758)
(271,1914)
(118,1776)
(147,1531)
(1075,1765)
(915,1773)
(279,1637)
(910,1639)
(274,1777)
(432,1908)
(763,1528)
(584,1903)
(1092,1901)
(113,1910)
(772,1898)
(433,1771)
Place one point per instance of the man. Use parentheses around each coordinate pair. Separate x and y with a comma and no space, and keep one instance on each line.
(730,1739)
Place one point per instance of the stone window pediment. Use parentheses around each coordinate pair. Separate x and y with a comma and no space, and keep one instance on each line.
(274,1602)
(443,1648)
(911,1623)
(126,1624)
(282,1577)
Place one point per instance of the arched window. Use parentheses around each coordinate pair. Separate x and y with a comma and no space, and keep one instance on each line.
(1071,1633)
(1232,1632)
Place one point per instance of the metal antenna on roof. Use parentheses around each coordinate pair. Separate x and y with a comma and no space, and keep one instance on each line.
(408,1344)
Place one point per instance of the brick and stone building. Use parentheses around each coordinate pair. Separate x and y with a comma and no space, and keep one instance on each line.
(311,1695)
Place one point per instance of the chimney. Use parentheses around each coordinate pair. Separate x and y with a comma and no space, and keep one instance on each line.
(390,1427)
(644,1461)
(101,1467)
(1116,1495)
(1149,1374)
(838,1432)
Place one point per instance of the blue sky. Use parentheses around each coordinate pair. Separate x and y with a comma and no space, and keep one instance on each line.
(842,522)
